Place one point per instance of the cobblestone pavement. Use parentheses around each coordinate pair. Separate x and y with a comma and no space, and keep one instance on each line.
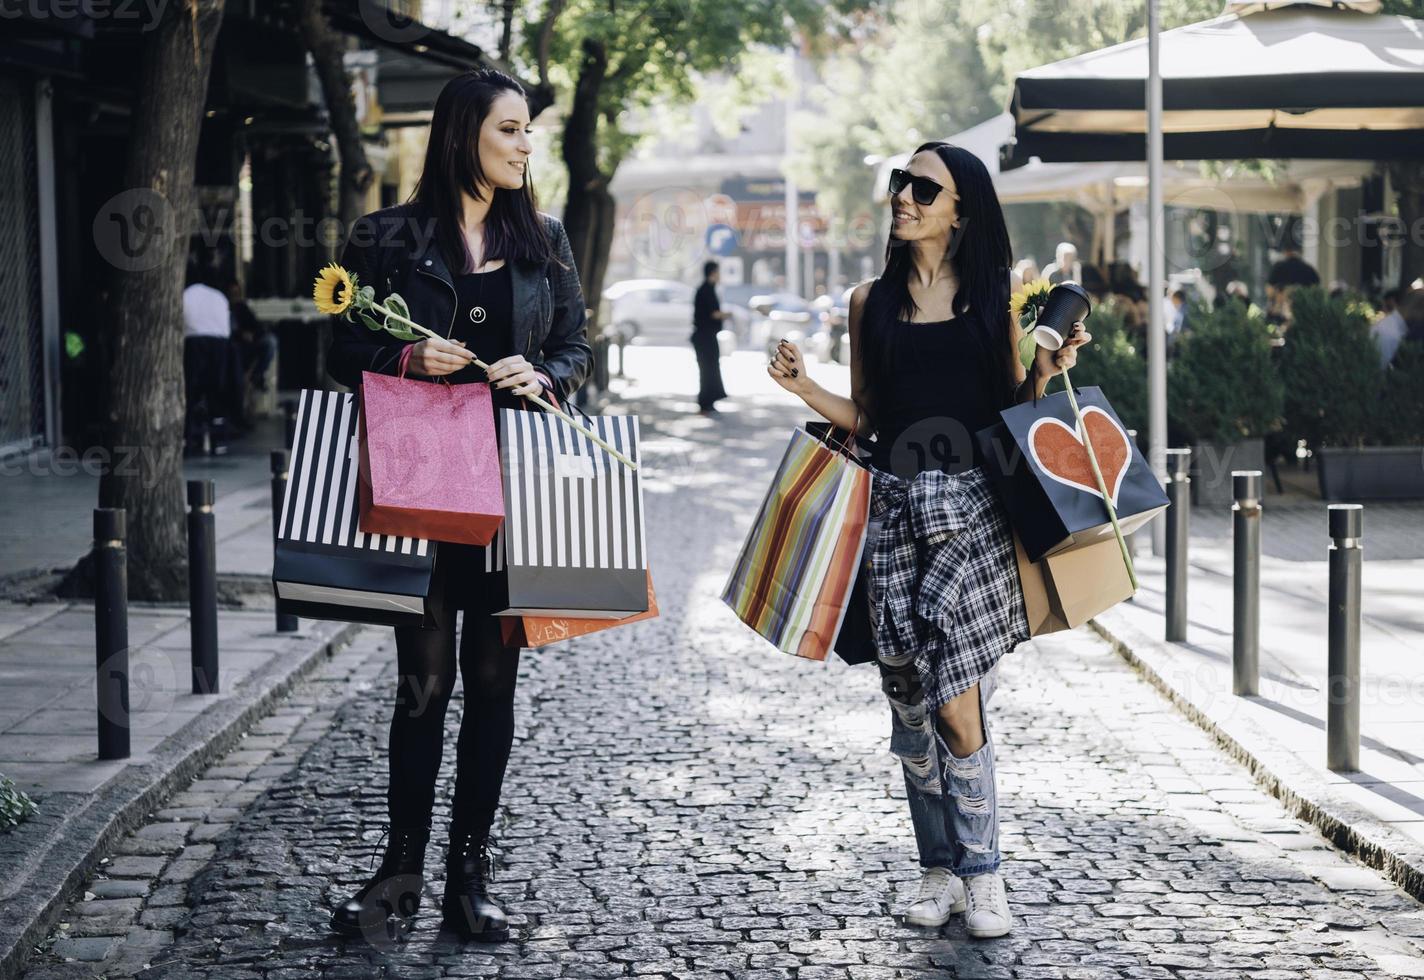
(685,802)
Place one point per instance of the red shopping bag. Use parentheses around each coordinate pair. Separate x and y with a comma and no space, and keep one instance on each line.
(429,460)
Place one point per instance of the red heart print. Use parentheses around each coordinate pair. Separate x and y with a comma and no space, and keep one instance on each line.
(1060,454)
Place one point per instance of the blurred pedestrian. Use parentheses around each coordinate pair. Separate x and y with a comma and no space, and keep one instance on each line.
(1404,322)
(1286,275)
(1026,270)
(1065,264)
(934,359)
(707,317)
(212,365)
(255,340)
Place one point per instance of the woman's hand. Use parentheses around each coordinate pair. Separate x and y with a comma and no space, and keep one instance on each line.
(789,370)
(436,356)
(515,374)
(1048,363)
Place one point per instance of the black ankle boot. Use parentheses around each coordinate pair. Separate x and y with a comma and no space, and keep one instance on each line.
(467,906)
(383,906)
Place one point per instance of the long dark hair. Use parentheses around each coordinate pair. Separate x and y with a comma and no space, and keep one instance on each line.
(513,229)
(982,257)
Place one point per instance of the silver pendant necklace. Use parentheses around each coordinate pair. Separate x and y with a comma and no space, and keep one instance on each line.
(477,312)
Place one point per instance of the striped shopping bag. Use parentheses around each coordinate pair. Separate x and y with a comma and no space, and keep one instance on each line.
(792,581)
(324,566)
(572,543)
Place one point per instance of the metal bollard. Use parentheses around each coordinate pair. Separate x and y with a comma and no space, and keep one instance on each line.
(286,622)
(1342,719)
(111,632)
(1179,487)
(1246,582)
(203,586)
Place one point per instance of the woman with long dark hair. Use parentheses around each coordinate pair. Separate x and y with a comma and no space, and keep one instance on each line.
(933,360)
(478,263)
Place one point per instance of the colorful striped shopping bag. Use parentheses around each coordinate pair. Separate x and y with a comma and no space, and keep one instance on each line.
(792,581)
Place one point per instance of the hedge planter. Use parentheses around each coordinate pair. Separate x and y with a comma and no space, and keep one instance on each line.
(1212,464)
(1371,473)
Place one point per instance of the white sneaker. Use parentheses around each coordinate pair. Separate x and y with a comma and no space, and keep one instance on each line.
(941,895)
(988,915)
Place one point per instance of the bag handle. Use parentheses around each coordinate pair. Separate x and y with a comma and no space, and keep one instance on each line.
(405,361)
(850,442)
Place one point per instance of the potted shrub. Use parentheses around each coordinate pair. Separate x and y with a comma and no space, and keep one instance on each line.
(1224,396)
(1361,421)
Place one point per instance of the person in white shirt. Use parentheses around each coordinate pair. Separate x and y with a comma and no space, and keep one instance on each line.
(1390,328)
(212,368)
(206,312)
(1065,264)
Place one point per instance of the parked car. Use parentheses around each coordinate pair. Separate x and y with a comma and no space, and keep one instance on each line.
(834,312)
(778,315)
(649,311)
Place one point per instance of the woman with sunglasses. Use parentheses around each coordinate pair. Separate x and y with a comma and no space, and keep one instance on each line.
(933,360)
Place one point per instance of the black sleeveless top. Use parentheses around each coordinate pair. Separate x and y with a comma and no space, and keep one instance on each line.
(490,336)
(930,399)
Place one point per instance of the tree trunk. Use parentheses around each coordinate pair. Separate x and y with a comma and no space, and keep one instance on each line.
(146,405)
(326,51)
(588,213)
(506,32)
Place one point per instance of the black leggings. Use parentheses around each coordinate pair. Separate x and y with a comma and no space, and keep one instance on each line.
(426,661)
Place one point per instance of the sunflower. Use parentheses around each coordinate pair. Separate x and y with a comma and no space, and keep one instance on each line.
(1034,292)
(334,290)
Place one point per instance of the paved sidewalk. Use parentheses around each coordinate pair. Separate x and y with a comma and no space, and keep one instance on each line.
(56,524)
(1377,812)
(48,722)
(685,802)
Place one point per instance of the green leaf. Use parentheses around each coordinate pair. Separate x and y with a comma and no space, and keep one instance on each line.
(397,305)
(366,295)
(400,332)
(369,320)
(1026,350)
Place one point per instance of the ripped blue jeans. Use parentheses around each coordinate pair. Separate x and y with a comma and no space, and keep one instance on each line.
(954,805)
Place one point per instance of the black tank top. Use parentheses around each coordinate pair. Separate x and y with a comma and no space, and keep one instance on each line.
(489,335)
(930,398)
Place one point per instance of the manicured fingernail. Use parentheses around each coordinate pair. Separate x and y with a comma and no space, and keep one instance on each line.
(794,372)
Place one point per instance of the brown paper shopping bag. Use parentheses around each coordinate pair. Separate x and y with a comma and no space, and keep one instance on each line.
(1066,590)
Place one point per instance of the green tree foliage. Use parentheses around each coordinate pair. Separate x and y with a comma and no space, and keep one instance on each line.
(610,58)
(1330,366)
(927,69)
(1223,385)
(1401,415)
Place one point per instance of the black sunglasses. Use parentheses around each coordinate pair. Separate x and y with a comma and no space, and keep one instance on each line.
(922,189)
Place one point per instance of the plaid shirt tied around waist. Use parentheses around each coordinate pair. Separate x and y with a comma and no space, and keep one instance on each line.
(944,584)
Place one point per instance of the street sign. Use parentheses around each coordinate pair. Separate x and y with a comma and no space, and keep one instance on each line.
(721,239)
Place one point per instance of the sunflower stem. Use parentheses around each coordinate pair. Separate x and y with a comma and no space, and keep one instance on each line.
(535,398)
(1102,485)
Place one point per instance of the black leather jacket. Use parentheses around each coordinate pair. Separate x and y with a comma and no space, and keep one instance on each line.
(394,250)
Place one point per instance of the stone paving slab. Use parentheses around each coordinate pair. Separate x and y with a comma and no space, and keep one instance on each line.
(684,801)
(48,741)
